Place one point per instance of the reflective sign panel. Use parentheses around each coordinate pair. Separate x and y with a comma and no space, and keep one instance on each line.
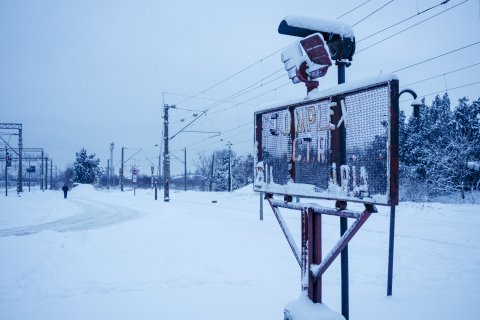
(342,146)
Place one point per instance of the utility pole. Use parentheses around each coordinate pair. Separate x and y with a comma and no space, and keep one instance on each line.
(20,160)
(6,171)
(108,173)
(152,170)
(29,176)
(229,144)
(166,155)
(41,172)
(46,174)
(211,173)
(112,169)
(51,173)
(185,167)
(121,171)
(159,164)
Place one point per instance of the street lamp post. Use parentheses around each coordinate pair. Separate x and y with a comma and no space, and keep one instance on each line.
(391,238)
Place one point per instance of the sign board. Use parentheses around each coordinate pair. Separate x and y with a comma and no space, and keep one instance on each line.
(31,169)
(135,171)
(340,144)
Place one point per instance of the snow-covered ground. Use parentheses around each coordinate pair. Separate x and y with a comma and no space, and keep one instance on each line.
(112,255)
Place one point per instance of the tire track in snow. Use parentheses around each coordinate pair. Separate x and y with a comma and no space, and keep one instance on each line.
(94,215)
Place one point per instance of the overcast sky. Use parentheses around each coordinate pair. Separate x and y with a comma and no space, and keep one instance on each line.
(83,74)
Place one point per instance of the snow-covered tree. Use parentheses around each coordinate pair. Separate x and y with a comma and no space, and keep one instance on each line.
(87,167)
(435,148)
(242,169)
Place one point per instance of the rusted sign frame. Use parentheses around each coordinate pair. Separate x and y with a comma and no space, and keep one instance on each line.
(392,151)
(309,257)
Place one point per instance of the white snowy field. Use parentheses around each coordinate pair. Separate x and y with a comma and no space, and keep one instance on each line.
(112,255)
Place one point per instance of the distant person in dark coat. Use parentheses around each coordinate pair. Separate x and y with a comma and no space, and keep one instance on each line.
(65,191)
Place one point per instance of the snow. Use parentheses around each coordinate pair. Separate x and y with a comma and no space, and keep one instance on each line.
(473,165)
(304,309)
(319,24)
(343,88)
(111,255)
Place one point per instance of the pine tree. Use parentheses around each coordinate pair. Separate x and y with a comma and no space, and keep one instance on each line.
(87,168)
(435,148)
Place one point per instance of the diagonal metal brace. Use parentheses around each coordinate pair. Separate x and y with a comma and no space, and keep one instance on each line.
(318,270)
(286,232)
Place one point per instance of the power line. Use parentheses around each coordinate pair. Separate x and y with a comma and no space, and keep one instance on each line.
(232,76)
(360,5)
(194,97)
(239,93)
(436,57)
(439,75)
(450,89)
(242,92)
(372,13)
(224,137)
(402,21)
(246,90)
(446,91)
(414,25)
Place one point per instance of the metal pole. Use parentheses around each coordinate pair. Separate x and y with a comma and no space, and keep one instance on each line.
(343,221)
(121,171)
(6,172)
(20,159)
(155,191)
(159,163)
(51,173)
(261,206)
(229,144)
(29,176)
(41,172)
(46,173)
(185,167)
(111,172)
(211,173)
(152,170)
(390,250)
(166,156)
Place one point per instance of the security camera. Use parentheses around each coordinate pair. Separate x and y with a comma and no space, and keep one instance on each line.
(339,36)
(307,59)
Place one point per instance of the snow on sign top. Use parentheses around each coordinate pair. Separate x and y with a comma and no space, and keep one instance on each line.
(319,24)
(339,144)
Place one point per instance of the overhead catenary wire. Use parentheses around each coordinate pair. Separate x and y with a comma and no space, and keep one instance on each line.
(226,100)
(441,74)
(402,21)
(351,10)
(233,75)
(242,92)
(436,57)
(449,89)
(408,28)
(234,95)
(238,94)
(259,61)
(372,13)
